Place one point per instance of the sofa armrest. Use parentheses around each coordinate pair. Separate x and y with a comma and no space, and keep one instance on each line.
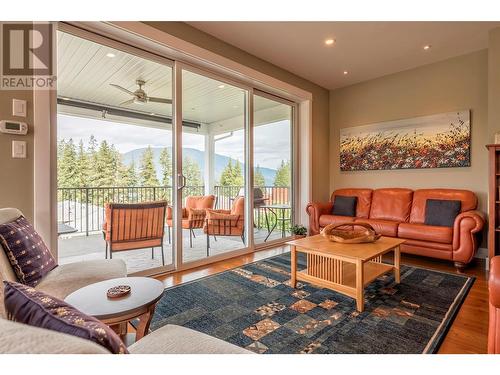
(494,308)
(172,339)
(315,210)
(465,244)
(494,282)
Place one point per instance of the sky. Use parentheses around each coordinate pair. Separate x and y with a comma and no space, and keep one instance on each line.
(271,142)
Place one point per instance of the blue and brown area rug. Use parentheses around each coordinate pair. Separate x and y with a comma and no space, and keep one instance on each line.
(254,307)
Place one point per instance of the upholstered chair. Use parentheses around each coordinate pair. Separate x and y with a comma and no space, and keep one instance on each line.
(65,278)
(193,214)
(226,222)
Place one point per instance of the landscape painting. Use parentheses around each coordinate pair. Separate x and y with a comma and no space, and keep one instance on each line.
(436,141)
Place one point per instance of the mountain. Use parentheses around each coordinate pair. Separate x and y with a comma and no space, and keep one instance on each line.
(198,156)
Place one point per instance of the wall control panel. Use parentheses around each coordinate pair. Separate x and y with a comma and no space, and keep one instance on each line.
(13,127)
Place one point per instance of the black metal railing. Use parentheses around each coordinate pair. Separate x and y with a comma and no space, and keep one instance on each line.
(83,208)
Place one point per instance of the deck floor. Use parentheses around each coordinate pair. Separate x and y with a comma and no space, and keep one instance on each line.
(79,247)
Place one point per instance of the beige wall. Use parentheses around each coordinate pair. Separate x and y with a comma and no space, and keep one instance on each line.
(320,112)
(454,84)
(16,175)
(493,84)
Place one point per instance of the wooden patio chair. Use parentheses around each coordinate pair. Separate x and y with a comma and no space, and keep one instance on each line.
(193,214)
(226,222)
(134,226)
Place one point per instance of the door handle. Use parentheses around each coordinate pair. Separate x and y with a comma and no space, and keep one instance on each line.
(181,180)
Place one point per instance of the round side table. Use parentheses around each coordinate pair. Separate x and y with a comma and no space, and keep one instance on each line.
(139,304)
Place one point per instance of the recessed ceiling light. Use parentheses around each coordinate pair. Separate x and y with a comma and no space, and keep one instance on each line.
(153,114)
(65,98)
(221,86)
(427,47)
(329,42)
(346,72)
(110,54)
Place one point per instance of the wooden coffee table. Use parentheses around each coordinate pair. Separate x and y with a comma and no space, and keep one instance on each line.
(117,312)
(345,268)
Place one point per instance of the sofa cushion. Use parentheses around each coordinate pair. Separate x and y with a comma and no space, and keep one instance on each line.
(344,206)
(424,232)
(25,304)
(384,227)
(467,198)
(67,278)
(392,204)
(325,220)
(172,339)
(30,258)
(18,338)
(441,212)
(364,199)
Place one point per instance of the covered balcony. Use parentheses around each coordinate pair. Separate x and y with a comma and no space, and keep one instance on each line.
(115,116)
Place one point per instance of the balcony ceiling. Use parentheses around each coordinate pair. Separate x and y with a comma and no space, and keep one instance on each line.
(86,70)
(366,50)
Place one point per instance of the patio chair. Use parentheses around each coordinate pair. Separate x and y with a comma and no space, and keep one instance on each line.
(259,200)
(193,215)
(134,226)
(226,222)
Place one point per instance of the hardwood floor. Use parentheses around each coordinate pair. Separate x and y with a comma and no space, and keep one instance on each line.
(468,334)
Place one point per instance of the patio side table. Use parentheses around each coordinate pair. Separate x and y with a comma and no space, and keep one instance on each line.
(278,211)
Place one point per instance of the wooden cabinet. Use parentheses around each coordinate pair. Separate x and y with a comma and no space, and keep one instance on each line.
(494,200)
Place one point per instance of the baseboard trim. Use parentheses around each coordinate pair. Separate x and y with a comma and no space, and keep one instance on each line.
(482,253)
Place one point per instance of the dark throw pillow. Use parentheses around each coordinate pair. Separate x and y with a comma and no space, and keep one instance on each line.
(441,212)
(26,251)
(344,206)
(27,305)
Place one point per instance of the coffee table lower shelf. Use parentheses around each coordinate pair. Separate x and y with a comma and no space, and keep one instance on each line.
(371,270)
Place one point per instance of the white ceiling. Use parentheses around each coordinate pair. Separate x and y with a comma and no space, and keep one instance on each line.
(85,72)
(365,49)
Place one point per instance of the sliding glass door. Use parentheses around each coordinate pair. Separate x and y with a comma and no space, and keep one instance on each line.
(126,140)
(213,166)
(272,168)
(114,154)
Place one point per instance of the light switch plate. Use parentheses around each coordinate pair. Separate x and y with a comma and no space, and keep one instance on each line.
(18,107)
(19,149)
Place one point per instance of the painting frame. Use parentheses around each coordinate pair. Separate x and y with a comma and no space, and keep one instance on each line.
(441,140)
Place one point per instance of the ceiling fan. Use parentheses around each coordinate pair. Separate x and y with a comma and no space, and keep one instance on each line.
(139,96)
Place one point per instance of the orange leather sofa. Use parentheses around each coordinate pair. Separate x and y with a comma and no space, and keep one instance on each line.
(494,290)
(398,212)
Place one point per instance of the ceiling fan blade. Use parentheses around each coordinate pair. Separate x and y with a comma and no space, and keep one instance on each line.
(159,100)
(126,102)
(122,89)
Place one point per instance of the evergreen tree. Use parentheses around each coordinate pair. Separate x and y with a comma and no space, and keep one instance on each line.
(258,178)
(232,175)
(191,170)
(283,175)
(67,171)
(238,179)
(82,167)
(92,160)
(166,167)
(127,175)
(105,166)
(147,171)
(227,174)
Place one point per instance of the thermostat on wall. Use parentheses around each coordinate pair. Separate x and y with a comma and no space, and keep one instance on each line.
(13,127)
